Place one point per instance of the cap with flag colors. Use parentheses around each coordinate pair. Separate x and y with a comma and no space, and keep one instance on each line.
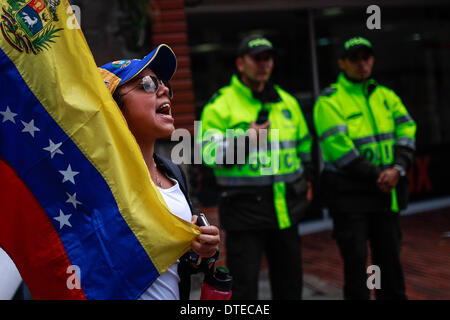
(79,214)
(161,60)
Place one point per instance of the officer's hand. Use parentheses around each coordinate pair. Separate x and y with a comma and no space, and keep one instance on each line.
(388,179)
(207,243)
(254,132)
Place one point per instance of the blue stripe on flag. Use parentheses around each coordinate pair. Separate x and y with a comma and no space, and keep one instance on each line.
(112,262)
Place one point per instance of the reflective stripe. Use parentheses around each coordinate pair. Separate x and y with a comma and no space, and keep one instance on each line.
(332,131)
(331,167)
(394,201)
(277,145)
(403,119)
(385,136)
(288,144)
(372,139)
(406,142)
(347,158)
(259,180)
(362,141)
(281,208)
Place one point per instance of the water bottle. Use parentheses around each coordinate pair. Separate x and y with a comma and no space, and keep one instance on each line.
(217,285)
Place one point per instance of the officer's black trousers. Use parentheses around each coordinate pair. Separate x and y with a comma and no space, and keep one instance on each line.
(352,231)
(282,250)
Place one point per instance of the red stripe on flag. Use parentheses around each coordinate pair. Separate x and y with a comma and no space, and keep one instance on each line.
(30,239)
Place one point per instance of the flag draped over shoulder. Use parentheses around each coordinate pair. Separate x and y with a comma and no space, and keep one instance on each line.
(75,193)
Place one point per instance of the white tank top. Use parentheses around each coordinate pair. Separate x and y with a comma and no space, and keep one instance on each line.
(166,286)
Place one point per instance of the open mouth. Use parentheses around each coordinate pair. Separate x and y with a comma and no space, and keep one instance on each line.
(164,109)
(163,113)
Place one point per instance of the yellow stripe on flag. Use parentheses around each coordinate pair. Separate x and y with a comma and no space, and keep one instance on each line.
(66,81)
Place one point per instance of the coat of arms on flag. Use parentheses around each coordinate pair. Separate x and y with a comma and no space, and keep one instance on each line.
(28,25)
(75,193)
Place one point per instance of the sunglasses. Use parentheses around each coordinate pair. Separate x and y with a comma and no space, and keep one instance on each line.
(151,84)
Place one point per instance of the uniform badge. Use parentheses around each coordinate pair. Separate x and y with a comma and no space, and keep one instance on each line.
(287,114)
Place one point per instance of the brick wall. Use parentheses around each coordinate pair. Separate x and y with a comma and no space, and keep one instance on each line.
(170,27)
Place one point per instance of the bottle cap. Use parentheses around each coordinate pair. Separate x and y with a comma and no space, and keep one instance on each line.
(220,279)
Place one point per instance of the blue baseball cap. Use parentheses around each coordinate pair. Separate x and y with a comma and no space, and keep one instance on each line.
(162,61)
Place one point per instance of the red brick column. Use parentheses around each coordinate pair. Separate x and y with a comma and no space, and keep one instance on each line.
(170,27)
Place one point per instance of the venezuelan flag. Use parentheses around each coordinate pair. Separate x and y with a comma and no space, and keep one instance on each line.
(75,193)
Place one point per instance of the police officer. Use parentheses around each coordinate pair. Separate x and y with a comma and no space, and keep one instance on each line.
(256,139)
(367,140)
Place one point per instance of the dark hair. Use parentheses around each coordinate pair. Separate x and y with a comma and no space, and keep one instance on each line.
(118,98)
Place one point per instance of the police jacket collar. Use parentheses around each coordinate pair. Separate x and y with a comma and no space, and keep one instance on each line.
(268,95)
(366,87)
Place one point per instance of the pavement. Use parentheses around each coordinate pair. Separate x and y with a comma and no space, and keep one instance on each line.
(425,258)
(313,289)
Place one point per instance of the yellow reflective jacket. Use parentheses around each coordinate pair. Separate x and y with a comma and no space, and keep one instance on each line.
(224,123)
(363,121)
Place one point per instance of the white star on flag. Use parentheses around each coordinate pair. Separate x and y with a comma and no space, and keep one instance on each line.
(8,115)
(73,199)
(53,148)
(30,128)
(69,174)
(63,219)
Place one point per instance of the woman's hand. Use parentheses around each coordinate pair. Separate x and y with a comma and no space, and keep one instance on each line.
(207,243)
